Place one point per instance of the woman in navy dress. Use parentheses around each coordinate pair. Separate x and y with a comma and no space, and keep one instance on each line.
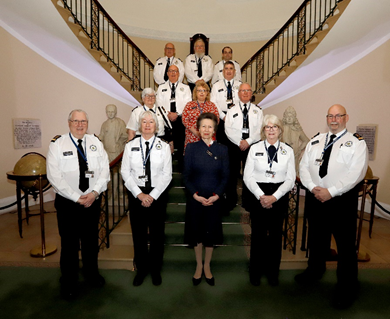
(206,172)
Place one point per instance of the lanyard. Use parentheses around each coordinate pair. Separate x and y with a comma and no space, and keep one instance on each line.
(78,150)
(271,160)
(245,116)
(145,158)
(149,109)
(200,108)
(330,144)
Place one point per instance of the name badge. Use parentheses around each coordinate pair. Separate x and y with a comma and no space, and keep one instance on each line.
(69,153)
(269,173)
(160,63)
(229,101)
(143,178)
(259,154)
(245,130)
(235,115)
(135,149)
(164,90)
(319,161)
(315,142)
(220,90)
(173,99)
(89,174)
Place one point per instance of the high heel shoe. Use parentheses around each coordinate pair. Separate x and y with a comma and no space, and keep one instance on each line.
(196,281)
(210,281)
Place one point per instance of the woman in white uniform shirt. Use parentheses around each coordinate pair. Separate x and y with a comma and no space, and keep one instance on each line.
(147,172)
(269,174)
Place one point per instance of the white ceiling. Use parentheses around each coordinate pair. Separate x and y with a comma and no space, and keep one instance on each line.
(222,20)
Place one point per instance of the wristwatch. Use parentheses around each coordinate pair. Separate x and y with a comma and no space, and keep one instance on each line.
(96,194)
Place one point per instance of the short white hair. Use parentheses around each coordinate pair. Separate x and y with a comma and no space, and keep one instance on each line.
(147,114)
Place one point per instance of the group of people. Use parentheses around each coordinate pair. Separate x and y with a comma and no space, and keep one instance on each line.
(218,134)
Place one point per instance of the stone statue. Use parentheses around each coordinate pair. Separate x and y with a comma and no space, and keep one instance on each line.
(113,133)
(294,135)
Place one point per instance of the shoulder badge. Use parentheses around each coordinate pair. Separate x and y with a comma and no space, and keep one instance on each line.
(55,138)
(359,137)
(316,135)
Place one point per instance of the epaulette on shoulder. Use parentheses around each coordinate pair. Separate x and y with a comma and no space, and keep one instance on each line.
(316,135)
(97,137)
(216,63)
(236,62)
(158,58)
(258,106)
(256,142)
(134,108)
(55,138)
(164,140)
(135,136)
(189,54)
(179,59)
(359,137)
(208,56)
(288,144)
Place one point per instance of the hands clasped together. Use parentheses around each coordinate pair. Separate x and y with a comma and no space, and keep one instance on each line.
(87,200)
(206,201)
(267,200)
(146,199)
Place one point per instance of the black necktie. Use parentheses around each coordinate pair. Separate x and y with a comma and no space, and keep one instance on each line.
(200,73)
(166,70)
(148,183)
(245,122)
(173,95)
(229,91)
(324,165)
(271,153)
(83,181)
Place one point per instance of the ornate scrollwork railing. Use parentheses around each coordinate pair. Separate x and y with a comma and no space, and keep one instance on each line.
(278,57)
(108,39)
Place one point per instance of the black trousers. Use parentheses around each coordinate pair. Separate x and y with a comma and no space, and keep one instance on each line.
(178,136)
(77,225)
(336,216)
(148,223)
(237,158)
(266,234)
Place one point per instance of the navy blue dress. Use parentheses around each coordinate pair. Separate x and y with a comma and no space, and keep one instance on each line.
(206,171)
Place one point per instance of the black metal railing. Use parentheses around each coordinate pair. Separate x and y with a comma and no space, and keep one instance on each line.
(288,43)
(114,204)
(122,54)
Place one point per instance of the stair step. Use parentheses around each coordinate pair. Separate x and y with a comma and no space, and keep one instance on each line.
(76,28)
(176,195)
(86,42)
(331,21)
(117,257)
(98,55)
(233,234)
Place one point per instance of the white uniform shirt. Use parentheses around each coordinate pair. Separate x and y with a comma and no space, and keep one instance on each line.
(219,95)
(191,68)
(159,69)
(160,166)
(234,120)
(182,96)
(218,68)
(133,123)
(347,163)
(62,166)
(257,165)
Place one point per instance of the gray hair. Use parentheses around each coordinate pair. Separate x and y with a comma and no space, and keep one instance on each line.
(273,119)
(148,91)
(77,110)
(147,114)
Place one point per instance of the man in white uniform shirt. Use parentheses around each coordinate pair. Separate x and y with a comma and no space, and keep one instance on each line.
(227,55)
(160,71)
(242,127)
(331,168)
(198,66)
(78,169)
(172,97)
(224,95)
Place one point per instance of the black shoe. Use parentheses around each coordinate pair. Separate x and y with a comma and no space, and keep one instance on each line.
(273,281)
(307,277)
(344,297)
(210,281)
(254,280)
(96,281)
(156,279)
(138,279)
(196,281)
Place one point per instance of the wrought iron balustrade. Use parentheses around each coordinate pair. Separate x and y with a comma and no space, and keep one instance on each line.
(276,57)
(114,203)
(107,38)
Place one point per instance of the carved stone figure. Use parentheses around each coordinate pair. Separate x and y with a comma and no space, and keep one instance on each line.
(113,133)
(293,134)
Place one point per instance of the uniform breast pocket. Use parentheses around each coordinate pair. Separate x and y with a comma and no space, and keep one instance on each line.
(345,155)
(94,160)
(70,163)
(157,160)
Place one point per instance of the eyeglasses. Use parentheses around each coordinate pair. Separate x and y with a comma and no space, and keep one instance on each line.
(246,91)
(204,91)
(337,116)
(269,128)
(77,122)
(173,71)
(169,48)
(150,96)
